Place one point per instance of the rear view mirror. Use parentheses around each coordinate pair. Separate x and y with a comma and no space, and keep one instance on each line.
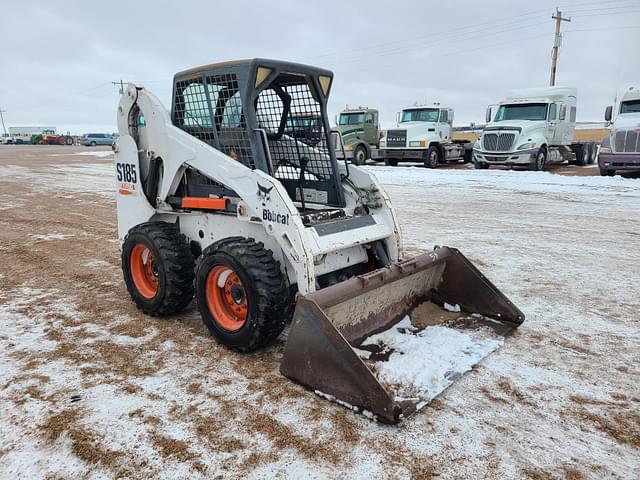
(487,116)
(608,113)
(397,117)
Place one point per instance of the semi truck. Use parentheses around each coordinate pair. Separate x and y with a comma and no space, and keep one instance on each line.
(423,134)
(360,131)
(533,128)
(621,149)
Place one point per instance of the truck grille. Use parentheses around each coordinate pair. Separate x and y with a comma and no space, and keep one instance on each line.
(498,142)
(627,141)
(396,138)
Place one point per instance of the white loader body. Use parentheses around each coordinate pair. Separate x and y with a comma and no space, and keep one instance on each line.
(272,217)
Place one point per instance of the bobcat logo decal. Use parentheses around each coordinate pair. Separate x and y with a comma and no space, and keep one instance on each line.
(264,193)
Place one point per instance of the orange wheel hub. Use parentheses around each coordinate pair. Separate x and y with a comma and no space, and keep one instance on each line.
(226,298)
(143,271)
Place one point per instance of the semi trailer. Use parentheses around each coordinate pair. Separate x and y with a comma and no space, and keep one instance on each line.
(533,128)
(423,134)
(621,149)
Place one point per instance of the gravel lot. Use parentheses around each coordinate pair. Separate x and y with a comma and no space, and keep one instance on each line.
(91,388)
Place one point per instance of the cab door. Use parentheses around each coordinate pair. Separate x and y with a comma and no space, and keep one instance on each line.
(551,127)
(370,127)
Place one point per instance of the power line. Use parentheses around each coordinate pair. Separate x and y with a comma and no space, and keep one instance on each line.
(472,28)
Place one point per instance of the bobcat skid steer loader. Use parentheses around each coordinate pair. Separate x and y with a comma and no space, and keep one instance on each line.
(223,199)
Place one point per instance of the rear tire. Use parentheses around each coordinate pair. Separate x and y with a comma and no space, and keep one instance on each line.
(593,153)
(242,293)
(433,157)
(360,155)
(158,268)
(467,157)
(391,162)
(607,173)
(582,155)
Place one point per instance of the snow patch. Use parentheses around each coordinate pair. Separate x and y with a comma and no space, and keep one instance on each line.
(422,364)
(98,153)
(51,236)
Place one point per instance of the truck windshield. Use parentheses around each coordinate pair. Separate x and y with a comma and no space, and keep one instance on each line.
(303,121)
(528,111)
(351,118)
(632,106)
(421,115)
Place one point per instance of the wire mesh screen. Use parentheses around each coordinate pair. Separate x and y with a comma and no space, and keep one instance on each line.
(211,110)
(292,117)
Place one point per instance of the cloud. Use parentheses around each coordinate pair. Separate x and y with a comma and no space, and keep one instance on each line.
(60,58)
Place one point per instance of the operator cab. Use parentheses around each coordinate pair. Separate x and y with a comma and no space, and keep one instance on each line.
(268,115)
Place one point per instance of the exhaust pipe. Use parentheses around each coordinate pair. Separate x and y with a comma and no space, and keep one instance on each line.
(347,342)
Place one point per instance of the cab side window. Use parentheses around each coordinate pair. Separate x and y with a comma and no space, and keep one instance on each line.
(563,112)
(553,114)
(368,118)
(572,115)
(444,117)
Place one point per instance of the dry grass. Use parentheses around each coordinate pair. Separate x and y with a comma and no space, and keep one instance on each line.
(85,445)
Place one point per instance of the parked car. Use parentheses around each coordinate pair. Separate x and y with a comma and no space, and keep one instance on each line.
(93,139)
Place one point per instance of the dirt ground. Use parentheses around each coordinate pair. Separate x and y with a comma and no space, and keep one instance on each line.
(92,388)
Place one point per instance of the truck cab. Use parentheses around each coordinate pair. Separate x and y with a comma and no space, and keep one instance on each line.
(423,134)
(360,131)
(621,149)
(532,128)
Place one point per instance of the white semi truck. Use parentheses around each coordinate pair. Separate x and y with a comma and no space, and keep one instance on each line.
(621,149)
(423,134)
(533,128)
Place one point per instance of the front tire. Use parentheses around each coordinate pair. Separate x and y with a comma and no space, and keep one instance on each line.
(391,162)
(93,144)
(242,294)
(607,173)
(540,160)
(158,268)
(360,155)
(433,157)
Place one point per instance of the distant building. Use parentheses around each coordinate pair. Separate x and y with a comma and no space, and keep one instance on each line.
(25,133)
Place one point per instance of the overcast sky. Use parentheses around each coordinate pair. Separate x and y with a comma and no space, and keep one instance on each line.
(58,58)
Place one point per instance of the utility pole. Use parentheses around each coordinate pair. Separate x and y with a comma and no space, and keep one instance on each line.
(556,44)
(2,118)
(121,83)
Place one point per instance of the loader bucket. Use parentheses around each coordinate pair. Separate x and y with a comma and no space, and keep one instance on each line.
(387,342)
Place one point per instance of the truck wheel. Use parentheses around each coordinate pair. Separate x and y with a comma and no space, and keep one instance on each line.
(433,157)
(391,162)
(582,155)
(480,165)
(242,293)
(468,156)
(158,268)
(607,173)
(360,155)
(540,160)
(593,153)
